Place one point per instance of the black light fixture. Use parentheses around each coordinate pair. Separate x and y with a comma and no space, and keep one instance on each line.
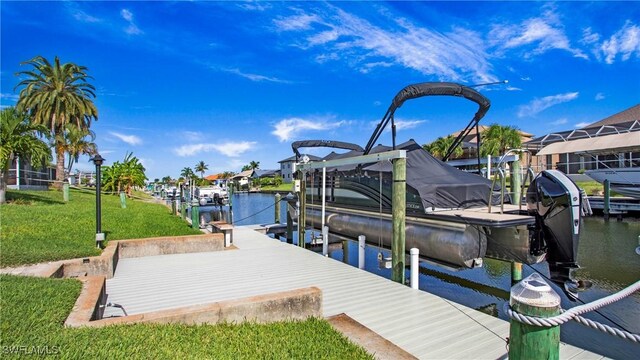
(97,161)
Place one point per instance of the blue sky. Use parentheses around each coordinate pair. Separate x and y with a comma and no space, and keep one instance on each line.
(232,82)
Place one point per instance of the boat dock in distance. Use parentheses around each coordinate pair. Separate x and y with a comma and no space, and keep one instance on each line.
(418,323)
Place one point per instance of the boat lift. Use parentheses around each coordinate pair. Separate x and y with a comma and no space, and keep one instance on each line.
(398,205)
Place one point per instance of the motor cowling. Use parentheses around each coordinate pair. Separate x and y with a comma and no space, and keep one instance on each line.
(555,202)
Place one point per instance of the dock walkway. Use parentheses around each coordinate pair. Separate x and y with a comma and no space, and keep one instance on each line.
(423,324)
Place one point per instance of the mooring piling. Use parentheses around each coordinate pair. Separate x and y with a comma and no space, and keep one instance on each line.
(278,197)
(607,199)
(325,240)
(195,213)
(345,251)
(361,247)
(398,206)
(533,296)
(415,267)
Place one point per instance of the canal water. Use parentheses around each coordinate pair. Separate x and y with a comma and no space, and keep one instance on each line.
(606,255)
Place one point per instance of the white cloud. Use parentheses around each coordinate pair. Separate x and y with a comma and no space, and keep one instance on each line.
(599,96)
(405,124)
(559,122)
(296,22)
(126,14)
(543,33)
(582,124)
(456,55)
(538,105)
(192,136)
(256,77)
(289,128)
(80,15)
(129,139)
(588,37)
(9,96)
(84,17)
(230,149)
(367,67)
(625,42)
(132,28)
(254,6)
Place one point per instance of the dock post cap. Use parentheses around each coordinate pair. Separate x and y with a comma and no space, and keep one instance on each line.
(534,291)
(414,251)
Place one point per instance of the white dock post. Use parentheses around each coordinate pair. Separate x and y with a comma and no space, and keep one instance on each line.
(415,252)
(325,240)
(361,241)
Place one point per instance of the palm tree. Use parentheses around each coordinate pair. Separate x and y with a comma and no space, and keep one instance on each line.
(497,139)
(132,173)
(55,95)
(76,143)
(124,176)
(441,145)
(187,173)
(254,165)
(227,175)
(201,167)
(19,137)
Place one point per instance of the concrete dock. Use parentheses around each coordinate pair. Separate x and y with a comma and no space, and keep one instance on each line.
(422,324)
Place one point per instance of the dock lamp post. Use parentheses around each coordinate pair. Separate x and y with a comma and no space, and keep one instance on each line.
(97,161)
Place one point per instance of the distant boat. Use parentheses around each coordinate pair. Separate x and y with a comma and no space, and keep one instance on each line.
(213,195)
(625,181)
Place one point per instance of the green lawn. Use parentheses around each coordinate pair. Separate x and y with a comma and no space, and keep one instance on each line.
(38,226)
(282,187)
(34,309)
(591,187)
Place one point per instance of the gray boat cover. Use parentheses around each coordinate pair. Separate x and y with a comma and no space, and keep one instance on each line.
(439,185)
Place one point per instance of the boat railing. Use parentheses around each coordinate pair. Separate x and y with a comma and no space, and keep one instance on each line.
(528,175)
(500,171)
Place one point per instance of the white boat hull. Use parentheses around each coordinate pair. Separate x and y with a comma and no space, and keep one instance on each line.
(625,181)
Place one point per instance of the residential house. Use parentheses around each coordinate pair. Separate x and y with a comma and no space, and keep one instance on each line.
(22,176)
(243,178)
(611,142)
(286,166)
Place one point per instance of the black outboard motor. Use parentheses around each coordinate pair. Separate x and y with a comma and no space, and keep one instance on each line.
(555,201)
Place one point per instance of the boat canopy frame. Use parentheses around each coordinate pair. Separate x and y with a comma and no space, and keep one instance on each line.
(431,89)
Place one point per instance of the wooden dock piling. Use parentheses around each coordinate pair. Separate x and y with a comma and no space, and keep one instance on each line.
(399,205)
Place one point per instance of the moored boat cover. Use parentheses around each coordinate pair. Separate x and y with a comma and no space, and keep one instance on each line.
(439,185)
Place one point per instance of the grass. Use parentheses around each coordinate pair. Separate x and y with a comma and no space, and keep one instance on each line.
(281,187)
(591,187)
(34,310)
(38,226)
